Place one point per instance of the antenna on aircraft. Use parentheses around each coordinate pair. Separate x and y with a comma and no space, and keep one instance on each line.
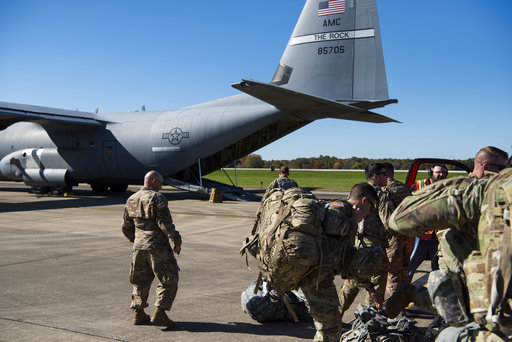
(96,110)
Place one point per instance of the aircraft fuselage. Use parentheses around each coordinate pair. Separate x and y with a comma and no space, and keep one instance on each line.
(132,143)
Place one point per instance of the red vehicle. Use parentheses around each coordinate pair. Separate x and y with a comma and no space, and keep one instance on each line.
(421,164)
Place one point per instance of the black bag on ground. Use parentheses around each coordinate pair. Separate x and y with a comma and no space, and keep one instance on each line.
(267,306)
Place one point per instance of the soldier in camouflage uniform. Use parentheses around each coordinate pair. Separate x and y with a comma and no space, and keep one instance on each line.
(282,181)
(317,258)
(482,275)
(322,297)
(399,246)
(371,232)
(148,224)
(454,244)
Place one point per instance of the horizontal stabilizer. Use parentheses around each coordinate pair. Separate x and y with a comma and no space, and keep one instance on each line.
(310,107)
(13,112)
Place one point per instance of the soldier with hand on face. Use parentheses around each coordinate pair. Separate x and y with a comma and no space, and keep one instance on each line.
(148,224)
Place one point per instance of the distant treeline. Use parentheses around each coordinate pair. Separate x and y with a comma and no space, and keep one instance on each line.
(327,162)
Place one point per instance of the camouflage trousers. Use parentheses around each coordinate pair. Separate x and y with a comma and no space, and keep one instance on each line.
(398,251)
(146,264)
(324,308)
(350,289)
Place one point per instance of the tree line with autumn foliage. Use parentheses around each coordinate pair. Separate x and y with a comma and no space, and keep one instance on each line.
(328,162)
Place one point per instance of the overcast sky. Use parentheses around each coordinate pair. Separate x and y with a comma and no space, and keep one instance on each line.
(448,63)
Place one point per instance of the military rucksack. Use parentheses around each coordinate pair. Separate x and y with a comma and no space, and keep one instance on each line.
(289,233)
(488,270)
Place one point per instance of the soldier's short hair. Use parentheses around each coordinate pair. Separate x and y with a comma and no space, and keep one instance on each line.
(372,169)
(390,169)
(490,154)
(284,170)
(361,190)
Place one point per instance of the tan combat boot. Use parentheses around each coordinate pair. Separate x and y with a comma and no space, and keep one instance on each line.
(140,317)
(160,318)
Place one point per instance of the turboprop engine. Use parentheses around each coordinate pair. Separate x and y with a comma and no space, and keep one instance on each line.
(28,165)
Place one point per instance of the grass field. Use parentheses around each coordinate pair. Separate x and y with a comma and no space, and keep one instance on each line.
(318,180)
(324,180)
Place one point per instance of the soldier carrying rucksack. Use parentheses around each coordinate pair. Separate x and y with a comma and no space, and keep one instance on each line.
(476,299)
(302,242)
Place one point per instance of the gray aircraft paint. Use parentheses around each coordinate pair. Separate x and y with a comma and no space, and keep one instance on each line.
(332,67)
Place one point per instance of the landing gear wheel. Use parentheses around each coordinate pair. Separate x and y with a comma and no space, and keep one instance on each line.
(118,188)
(99,187)
(40,190)
(61,190)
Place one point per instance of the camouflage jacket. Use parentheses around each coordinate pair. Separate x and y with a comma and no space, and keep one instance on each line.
(372,230)
(339,219)
(488,269)
(284,183)
(451,206)
(397,191)
(148,222)
(479,210)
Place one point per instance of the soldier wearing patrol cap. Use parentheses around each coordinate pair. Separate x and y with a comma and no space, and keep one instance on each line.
(148,224)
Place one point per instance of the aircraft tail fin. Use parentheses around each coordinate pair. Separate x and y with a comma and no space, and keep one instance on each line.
(335,52)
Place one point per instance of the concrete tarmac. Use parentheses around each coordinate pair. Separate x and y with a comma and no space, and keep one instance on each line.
(64,266)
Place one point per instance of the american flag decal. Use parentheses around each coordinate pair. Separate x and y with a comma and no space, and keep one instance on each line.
(331,7)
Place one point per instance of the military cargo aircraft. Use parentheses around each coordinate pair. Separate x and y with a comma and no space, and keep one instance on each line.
(332,67)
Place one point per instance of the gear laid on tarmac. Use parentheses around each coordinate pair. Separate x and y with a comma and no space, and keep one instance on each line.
(370,325)
(267,306)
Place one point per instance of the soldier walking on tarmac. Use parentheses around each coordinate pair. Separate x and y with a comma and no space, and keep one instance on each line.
(148,224)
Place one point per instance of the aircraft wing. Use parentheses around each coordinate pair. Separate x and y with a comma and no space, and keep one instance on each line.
(13,112)
(310,107)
